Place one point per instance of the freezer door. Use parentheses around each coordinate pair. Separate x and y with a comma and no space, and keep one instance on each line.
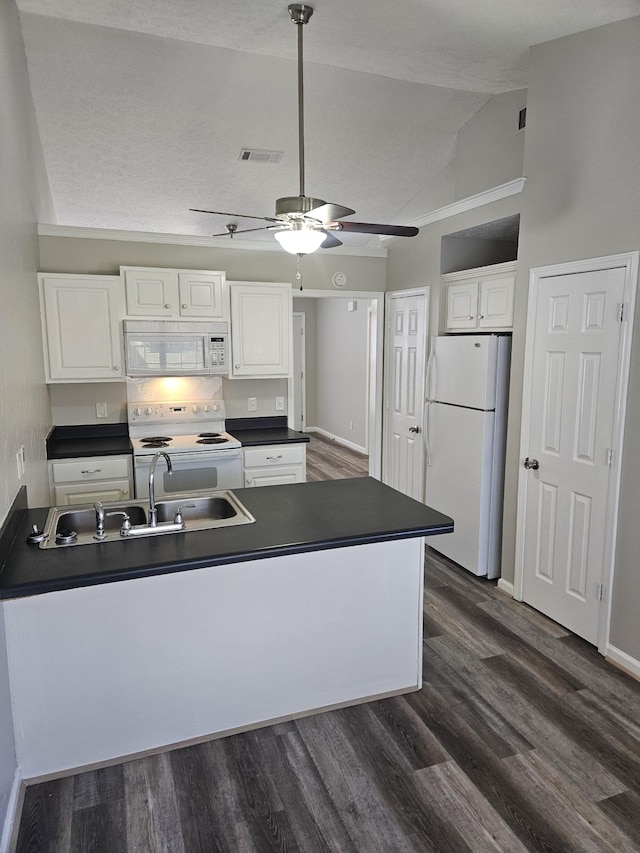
(462,370)
(461,483)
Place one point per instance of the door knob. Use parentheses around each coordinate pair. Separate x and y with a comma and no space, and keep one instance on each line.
(532,464)
(414,429)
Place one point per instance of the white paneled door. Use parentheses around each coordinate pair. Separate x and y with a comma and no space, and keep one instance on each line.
(406,330)
(572,394)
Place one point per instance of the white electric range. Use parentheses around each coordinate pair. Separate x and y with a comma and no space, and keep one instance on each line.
(203,455)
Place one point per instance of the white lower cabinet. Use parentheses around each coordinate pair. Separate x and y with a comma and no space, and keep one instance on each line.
(89,479)
(275,464)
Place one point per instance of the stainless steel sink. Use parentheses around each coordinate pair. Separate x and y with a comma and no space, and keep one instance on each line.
(76,525)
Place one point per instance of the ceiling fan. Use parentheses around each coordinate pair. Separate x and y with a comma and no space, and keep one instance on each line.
(302,223)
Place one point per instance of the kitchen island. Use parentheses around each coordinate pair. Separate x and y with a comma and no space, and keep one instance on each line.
(123,647)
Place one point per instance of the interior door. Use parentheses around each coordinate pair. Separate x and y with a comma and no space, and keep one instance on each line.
(298,379)
(568,435)
(405,393)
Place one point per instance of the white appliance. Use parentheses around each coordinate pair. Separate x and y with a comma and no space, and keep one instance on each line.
(204,457)
(175,348)
(466,419)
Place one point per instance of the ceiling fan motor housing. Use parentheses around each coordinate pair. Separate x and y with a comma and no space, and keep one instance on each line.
(296,206)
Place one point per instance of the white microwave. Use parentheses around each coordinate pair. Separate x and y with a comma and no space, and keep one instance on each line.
(175,348)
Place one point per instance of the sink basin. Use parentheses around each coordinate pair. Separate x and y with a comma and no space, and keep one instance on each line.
(212,507)
(83,520)
(76,525)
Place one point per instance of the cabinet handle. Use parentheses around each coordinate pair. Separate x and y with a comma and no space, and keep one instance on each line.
(471,317)
(95,471)
(274,458)
(184,306)
(237,366)
(116,367)
(480,316)
(167,305)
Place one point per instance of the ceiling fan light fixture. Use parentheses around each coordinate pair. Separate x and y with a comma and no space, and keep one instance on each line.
(300,238)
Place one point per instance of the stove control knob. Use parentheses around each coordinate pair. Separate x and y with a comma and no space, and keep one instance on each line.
(206,408)
(216,407)
(137,411)
(148,410)
(195,409)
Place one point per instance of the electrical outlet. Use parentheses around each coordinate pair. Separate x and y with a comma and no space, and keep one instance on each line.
(101,410)
(252,404)
(279,404)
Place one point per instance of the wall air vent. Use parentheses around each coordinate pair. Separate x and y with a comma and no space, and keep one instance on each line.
(256,155)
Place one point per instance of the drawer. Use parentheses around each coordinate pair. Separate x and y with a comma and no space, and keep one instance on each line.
(90,468)
(274,454)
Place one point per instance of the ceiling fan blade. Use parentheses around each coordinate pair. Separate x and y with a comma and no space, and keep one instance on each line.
(244,231)
(329,212)
(233,215)
(371,228)
(329,242)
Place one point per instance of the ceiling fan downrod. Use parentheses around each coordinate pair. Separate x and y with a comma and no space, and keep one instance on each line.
(300,14)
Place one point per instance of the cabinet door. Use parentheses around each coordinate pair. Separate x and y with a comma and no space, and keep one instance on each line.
(81,328)
(88,493)
(261,320)
(462,305)
(276,476)
(201,295)
(496,303)
(151,292)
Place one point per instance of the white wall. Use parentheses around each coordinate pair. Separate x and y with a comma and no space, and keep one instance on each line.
(582,200)
(341,369)
(24,409)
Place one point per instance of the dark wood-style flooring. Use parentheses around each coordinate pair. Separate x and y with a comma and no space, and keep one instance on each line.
(328,460)
(522,738)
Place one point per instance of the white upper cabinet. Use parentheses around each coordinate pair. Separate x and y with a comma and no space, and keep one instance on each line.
(480,299)
(81,317)
(261,328)
(171,293)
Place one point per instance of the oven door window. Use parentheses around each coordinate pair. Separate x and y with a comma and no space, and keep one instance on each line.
(191,472)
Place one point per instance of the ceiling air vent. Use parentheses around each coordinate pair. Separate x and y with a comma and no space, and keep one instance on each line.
(255,155)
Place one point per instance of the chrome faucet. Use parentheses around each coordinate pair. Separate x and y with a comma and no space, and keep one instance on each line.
(100,531)
(153,512)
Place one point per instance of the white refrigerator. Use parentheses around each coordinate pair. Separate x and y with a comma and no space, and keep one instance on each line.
(465,436)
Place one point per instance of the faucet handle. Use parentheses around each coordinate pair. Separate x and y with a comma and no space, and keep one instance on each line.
(126,523)
(177,519)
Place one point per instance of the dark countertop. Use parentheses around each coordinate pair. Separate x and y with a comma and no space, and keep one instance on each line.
(253,431)
(71,442)
(290,519)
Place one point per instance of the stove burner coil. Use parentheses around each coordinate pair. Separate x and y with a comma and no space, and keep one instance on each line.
(218,440)
(165,438)
(155,444)
(208,435)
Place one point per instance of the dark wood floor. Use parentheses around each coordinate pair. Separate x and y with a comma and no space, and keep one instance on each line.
(328,460)
(522,739)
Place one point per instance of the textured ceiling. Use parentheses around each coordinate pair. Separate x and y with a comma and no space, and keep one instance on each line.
(143,105)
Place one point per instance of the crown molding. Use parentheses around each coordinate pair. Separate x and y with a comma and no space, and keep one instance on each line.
(78,232)
(470,203)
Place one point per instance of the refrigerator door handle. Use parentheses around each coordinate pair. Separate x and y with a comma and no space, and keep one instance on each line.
(427,448)
(430,362)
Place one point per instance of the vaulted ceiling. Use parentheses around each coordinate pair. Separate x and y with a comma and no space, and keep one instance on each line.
(143,106)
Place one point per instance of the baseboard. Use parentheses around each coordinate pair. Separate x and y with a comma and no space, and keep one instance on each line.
(12,819)
(337,439)
(623,661)
(505,586)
